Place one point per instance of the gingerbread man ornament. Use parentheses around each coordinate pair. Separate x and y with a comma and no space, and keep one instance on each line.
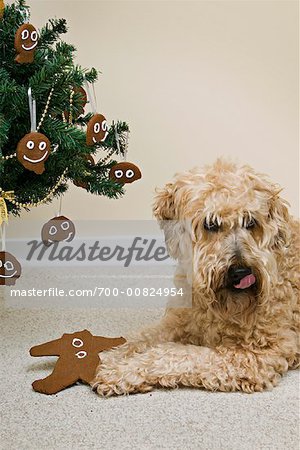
(26,40)
(10,269)
(78,359)
(125,172)
(97,130)
(32,152)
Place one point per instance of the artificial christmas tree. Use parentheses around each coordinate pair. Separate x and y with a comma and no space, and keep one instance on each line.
(43,137)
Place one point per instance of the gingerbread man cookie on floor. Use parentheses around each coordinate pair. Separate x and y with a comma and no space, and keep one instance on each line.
(78,359)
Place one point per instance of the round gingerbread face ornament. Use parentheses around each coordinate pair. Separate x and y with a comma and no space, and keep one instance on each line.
(125,172)
(10,269)
(97,130)
(33,150)
(58,229)
(26,40)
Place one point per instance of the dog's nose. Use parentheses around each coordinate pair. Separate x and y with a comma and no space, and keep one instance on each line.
(236,273)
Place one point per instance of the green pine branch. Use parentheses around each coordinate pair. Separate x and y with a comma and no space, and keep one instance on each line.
(52,31)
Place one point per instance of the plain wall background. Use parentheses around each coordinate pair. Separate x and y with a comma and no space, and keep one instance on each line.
(194,80)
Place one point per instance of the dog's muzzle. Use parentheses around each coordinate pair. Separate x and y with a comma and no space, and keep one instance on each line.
(240,277)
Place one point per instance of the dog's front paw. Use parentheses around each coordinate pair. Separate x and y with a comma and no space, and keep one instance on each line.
(106,390)
(111,382)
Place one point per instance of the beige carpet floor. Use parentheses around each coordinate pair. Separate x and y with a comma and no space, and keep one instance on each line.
(164,419)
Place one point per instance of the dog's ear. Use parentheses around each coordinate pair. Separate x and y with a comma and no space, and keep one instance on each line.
(279,215)
(165,211)
(164,203)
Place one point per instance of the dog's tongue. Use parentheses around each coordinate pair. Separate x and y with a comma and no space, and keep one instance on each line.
(246,282)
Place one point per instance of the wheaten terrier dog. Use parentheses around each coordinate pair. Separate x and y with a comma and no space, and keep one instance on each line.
(242,331)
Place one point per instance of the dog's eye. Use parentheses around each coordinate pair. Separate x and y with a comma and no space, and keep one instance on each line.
(250,224)
(211,226)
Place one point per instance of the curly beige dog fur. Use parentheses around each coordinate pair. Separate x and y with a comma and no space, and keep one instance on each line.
(235,337)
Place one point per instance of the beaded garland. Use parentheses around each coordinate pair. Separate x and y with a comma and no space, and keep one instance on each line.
(44,200)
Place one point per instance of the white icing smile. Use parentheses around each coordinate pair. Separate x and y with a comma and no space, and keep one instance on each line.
(34,161)
(69,235)
(105,136)
(66,239)
(8,276)
(29,48)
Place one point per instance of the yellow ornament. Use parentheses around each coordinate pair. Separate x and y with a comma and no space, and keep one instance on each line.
(3,208)
(3,211)
(1,8)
